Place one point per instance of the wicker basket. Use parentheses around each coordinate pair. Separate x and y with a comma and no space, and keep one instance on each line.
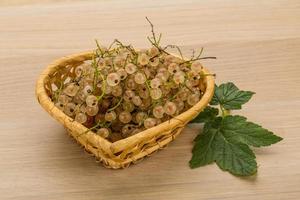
(122,153)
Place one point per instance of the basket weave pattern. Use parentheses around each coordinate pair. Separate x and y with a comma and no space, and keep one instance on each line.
(122,153)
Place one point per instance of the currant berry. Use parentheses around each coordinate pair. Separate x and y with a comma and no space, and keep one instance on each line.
(192,75)
(153,51)
(103,132)
(59,105)
(140,117)
(110,116)
(64,99)
(113,79)
(178,77)
(91,101)
(71,90)
(78,71)
(140,78)
(155,93)
(119,61)
(77,99)
(173,68)
(69,109)
(128,106)
(130,68)
(158,112)
(122,73)
(193,99)
(125,117)
(130,84)
(92,110)
(168,58)
(155,83)
(87,90)
(117,91)
(179,105)
(161,76)
(136,100)
(196,67)
(182,95)
(143,59)
(128,95)
(149,122)
(189,84)
(165,74)
(154,62)
(81,118)
(170,108)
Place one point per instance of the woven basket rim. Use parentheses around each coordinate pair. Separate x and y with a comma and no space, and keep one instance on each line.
(117,146)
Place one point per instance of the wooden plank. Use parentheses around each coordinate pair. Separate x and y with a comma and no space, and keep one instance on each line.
(257,44)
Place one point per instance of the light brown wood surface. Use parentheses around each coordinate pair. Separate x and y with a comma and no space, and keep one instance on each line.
(258,47)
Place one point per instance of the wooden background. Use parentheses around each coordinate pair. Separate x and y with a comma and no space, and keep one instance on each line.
(258,47)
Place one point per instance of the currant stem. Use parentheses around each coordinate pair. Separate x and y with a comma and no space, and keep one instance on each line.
(58,92)
(103,87)
(117,105)
(224,112)
(95,73)
(90,129)
(99,48)
(207,75)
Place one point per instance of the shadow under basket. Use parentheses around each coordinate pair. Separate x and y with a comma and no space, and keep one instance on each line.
(122,153)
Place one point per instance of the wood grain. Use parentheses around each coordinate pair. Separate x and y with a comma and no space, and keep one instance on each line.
(257,44)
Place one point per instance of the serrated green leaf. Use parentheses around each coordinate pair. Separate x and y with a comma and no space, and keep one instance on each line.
(225,141)
(205,143)
(230,97)
(237,129)
(238,158)
(208,114)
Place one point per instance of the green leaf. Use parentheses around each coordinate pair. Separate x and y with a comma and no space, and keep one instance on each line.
(237,129)
(203,151)
(225,141)
(230,97)
(208,114)
(238,158)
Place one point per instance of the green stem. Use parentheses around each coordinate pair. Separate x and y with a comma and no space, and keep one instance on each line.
(94,64)
(99,48)
(147,84)
(203,75)
(117,105)
(58,92)
(224,111)
(90,129)
(103,87)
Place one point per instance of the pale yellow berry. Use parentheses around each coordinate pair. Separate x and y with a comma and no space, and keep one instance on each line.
(103,132)
(143,59)
(196,67)
(153,51)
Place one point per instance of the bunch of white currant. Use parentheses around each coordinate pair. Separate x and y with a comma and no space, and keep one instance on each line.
(122,91)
